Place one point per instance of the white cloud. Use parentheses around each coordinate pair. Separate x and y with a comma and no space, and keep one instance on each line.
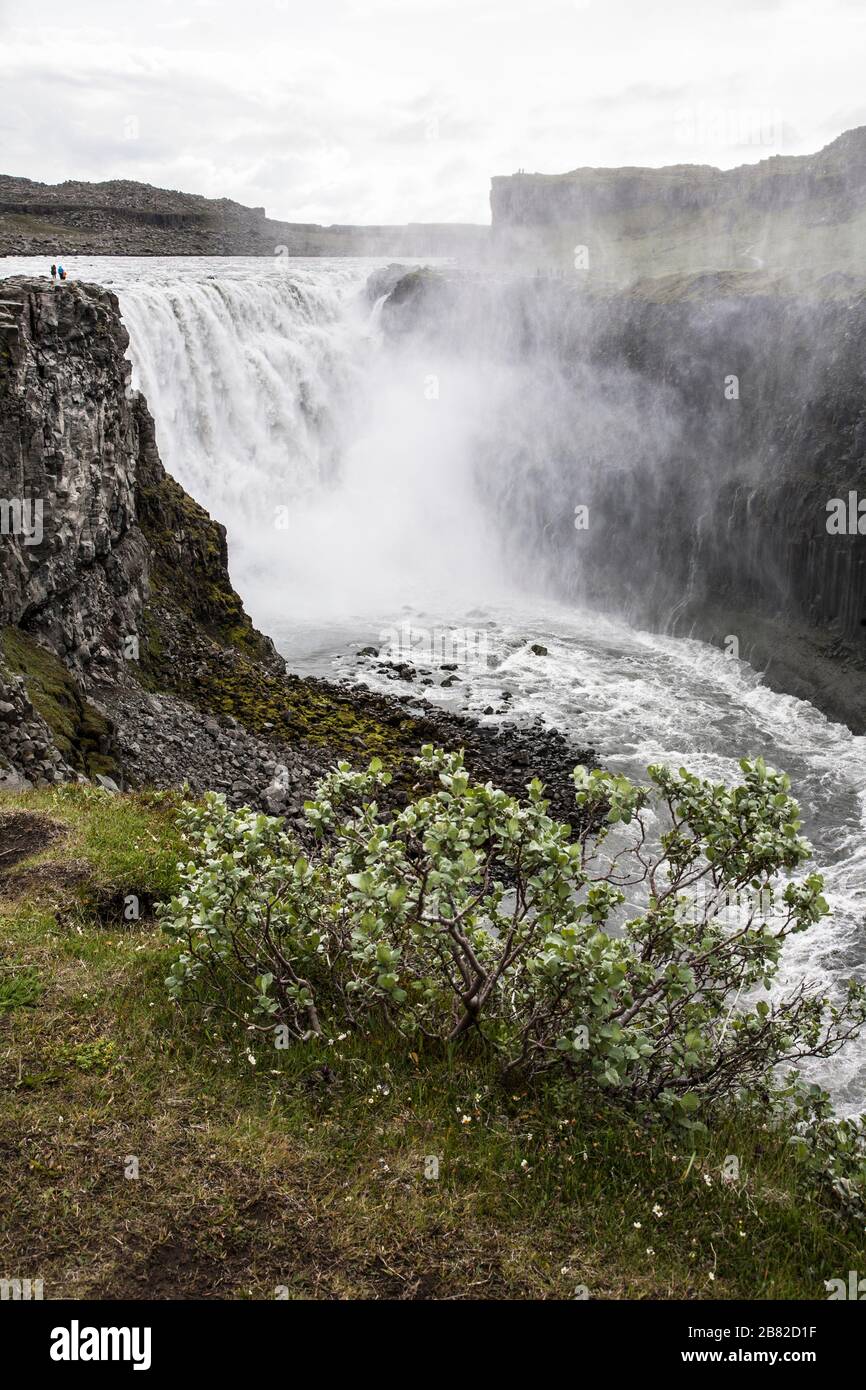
(398,110)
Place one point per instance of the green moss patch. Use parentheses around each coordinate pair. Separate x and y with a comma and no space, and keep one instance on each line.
(80,732)
(190,564)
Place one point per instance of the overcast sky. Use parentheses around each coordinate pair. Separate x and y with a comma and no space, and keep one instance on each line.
(401,110)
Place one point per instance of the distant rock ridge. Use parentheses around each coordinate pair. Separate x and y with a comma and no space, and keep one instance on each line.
(121,217)
(782,213)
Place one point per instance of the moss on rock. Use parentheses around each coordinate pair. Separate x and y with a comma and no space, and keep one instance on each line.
(82,735)
(189,562)
(199,642)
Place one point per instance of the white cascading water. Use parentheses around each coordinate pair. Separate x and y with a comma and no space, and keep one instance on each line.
(345,475)
(337,491)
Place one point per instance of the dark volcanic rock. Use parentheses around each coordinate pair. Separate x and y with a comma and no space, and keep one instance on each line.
(69,448)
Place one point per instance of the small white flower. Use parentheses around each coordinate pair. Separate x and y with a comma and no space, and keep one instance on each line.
(657,1211)
(636,1225)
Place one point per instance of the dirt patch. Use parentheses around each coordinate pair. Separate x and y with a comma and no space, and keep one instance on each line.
(46,881)
(281,1245)
(119,907)
(266,1242)
(25,833)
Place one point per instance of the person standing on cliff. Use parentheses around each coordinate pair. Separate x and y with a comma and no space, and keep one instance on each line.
(61,272)
(54,272)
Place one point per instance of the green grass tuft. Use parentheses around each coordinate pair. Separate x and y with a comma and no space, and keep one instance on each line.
(19,990)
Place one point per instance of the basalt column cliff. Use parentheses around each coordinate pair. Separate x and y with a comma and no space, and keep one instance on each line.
(126,655)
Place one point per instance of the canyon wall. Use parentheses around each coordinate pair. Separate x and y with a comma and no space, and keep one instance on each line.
(705,425)
(79,459)
(804,215)
(69,448)
(113,583)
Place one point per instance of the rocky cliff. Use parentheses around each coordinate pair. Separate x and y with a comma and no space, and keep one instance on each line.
(70,441)
(123,218)
(89,524)
(796,214)
(706,425)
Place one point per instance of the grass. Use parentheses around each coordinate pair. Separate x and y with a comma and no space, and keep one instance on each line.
(19,989)
(152,1153)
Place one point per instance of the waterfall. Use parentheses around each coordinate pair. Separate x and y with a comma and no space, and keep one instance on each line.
(250,376)
(344,481)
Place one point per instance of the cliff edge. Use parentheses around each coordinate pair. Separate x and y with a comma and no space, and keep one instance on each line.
(794,214)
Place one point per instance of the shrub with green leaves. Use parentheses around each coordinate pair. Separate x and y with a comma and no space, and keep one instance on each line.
(611,957)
